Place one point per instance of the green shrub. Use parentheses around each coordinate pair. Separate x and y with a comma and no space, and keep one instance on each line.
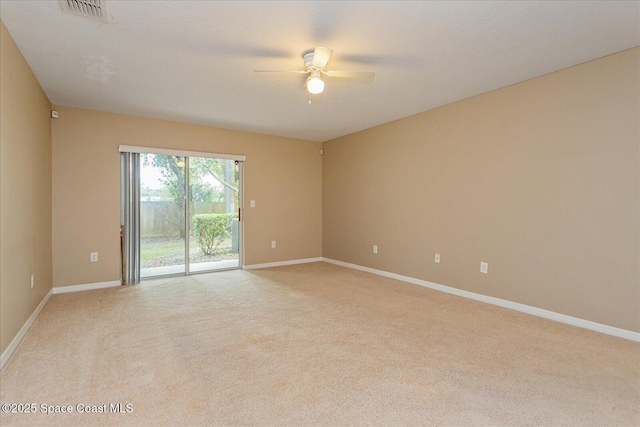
(211,229)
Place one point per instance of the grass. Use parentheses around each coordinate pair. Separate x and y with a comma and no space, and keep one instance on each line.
(169,250)
(152,248)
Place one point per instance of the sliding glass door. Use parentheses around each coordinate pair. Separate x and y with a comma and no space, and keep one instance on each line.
(163,229)
(214,195)
(184,214)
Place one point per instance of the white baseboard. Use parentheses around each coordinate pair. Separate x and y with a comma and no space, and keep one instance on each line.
(281,263)
(6,354)
(87,287)
(563,318)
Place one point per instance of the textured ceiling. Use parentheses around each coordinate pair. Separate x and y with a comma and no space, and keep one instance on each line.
(192,61)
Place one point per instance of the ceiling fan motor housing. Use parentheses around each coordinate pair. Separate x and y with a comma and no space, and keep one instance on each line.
(308,58)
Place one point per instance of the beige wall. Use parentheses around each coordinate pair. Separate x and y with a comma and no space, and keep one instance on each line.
(25,196)
(539,179)
(282,175)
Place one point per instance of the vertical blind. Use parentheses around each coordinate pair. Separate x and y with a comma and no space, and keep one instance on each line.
(130,216)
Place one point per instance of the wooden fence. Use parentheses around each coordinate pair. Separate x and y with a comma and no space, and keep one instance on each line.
(164,218)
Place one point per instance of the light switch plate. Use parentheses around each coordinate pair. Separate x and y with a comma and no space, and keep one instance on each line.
(484,267)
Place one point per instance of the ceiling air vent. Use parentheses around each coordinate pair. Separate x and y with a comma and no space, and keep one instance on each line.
(92,9)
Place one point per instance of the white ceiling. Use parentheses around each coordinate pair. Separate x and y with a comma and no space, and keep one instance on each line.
(192,61)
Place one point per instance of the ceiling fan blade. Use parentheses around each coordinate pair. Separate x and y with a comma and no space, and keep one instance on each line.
(321,56)
(362,75)
(281,71)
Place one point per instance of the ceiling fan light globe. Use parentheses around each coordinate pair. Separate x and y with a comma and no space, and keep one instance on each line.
(315,85)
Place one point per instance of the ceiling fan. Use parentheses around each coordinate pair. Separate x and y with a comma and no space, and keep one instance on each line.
(315,61)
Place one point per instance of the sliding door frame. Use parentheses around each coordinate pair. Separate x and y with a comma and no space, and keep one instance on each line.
(130,212)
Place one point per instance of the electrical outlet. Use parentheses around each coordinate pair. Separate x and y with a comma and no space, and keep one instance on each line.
(94,257)
(273,244)
(484,267)
(253,203)
(32,280)
(437,258)
(375,249)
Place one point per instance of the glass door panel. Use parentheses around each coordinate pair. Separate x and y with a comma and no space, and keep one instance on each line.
(214,199)
(163,228)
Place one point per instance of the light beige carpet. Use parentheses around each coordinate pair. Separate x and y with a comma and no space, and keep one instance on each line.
(313,344)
